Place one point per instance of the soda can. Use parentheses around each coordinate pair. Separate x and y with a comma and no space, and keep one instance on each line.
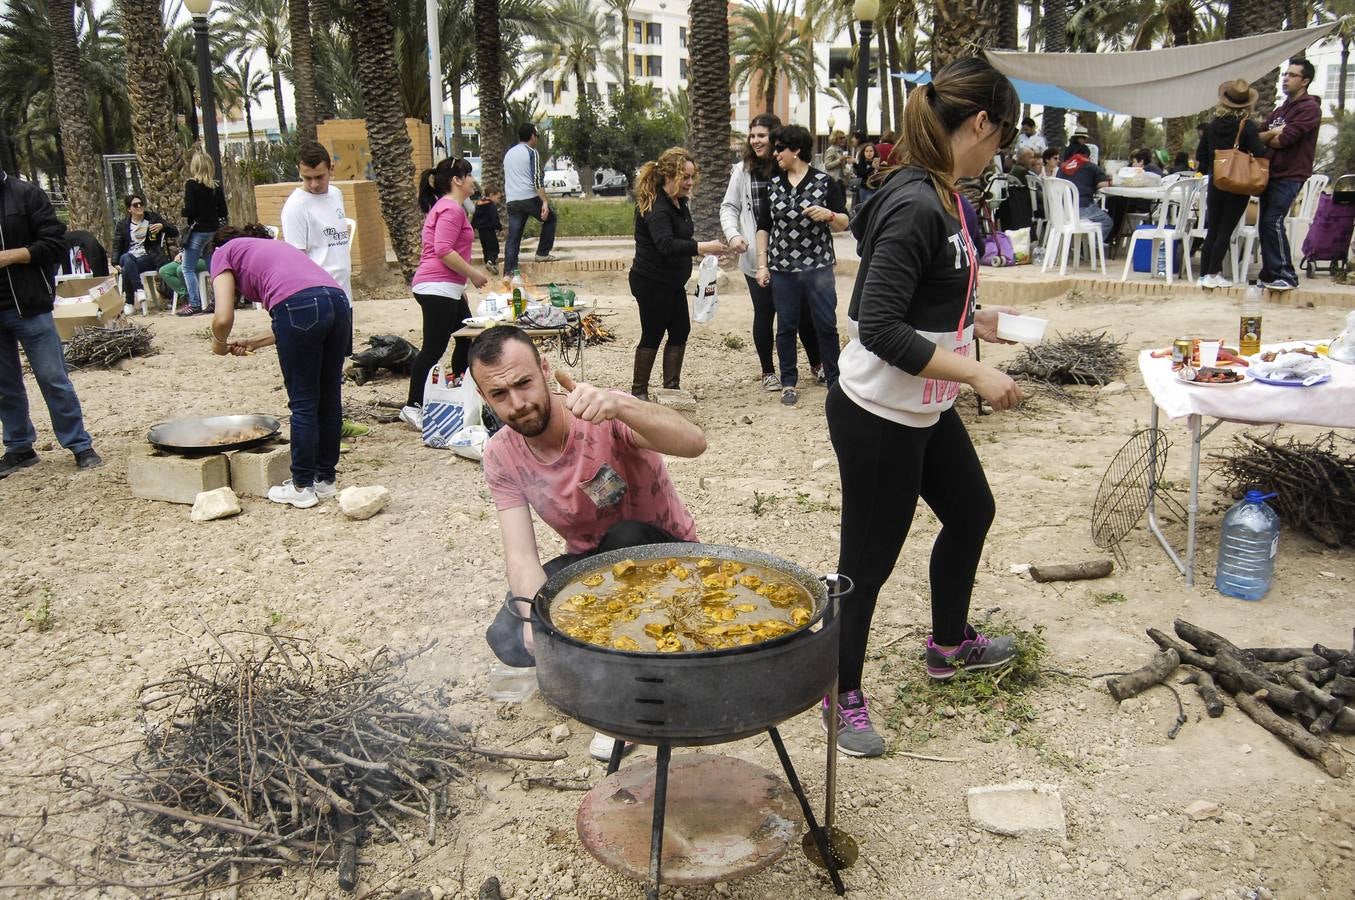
(1181,352)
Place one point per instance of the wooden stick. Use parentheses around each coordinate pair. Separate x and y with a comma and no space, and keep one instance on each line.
(1158,670)
(348,850)
(1326,755)
(1321,699)
(1097,568)
(559,784)
(1227,663)
(1341,686)
(1204,686)
(1329,654)
(1279,654)
(1213,643)
(1188,656)
(1322,724)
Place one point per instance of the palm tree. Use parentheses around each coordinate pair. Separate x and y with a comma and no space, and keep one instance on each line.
(583,45)
(159,147)
(335,83)
(84,169)
(1054,21)
(819,20)
(260,25)
(708,83)
(842,90)
(303,68)
(959,29)
(489,83)
(622,9)
(764,44)
(247,86)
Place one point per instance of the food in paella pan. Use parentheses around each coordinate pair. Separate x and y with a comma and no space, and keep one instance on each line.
(679,605)
(242,435)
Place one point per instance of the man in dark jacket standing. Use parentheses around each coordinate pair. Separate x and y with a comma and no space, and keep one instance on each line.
(31,247)
(1291,133)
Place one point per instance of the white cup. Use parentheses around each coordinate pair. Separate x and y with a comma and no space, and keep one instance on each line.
(1022,329)
(1209,353)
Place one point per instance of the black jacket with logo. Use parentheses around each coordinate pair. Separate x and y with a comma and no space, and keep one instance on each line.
(27,219)
(155,243)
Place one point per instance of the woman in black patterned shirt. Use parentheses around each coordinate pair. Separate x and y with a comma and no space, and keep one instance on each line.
(795,226)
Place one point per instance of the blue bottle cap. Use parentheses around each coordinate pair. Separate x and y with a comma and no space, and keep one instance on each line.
(1255,496)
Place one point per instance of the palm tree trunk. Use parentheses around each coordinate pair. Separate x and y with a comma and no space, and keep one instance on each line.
(769,91)
(303,68)
(896,64)
(1345,64)
(959,25)
(458,131)
(584,113)
(322,19)
(372,32)
(1180,17)
(159,148)
(276,67)
(708,87)
(190,114)
(249,123)
(625,46)
(489,82)
(881,61)
(1136,126)
(84,169)
(1257,17)
(1054,23)
(1004,37)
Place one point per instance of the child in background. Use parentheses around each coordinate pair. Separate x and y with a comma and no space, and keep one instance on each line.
(487,226)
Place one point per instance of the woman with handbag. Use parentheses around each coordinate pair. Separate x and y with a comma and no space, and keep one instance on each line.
(204,209)
(1233,128)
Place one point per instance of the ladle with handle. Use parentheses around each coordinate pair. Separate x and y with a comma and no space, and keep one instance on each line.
(841,844)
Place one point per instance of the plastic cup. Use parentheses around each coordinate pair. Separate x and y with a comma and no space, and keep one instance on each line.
(1022,329)
(1209,353)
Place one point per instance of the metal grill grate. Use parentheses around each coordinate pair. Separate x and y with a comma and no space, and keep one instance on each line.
(1123,496)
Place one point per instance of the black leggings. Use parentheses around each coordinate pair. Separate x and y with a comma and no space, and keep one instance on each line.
(1222,212)
(663,308)
(885,467)
(441,316)
(764,321)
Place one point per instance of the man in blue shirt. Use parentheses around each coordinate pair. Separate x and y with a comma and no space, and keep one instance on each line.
(526,196)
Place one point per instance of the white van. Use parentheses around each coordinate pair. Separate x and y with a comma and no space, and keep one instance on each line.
(562,183)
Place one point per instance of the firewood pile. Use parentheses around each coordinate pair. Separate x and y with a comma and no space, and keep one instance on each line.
(1083,357)
(1301,695)
(1314,482)
(284,756)
(100,346)
(594,332)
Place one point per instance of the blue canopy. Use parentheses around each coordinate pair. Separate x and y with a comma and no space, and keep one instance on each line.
(1032,92)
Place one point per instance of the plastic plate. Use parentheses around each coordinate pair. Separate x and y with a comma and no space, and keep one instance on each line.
(1246,376)
(1290,382)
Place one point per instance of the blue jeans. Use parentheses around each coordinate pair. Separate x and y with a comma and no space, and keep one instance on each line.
(192,251)
(132,267)
(789,290)
(518,212)
(42,346)
(1098,215)
(312,328)
(1276,262)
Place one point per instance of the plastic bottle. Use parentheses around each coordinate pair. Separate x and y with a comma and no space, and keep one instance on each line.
(511,685)
(1247,548)
(519,298)
(1249,327)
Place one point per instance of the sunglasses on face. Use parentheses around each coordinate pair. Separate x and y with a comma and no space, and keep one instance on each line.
(780,148)
(137,204)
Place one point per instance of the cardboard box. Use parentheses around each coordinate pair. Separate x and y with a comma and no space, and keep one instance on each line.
(104,305)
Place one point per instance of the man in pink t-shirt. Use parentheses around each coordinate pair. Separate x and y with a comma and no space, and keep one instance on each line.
(589,463)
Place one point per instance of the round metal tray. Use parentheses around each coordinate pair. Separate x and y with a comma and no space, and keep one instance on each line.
(213,434)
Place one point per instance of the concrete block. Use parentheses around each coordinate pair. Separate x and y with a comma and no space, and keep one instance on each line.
(175,479)
(1021,807)
(678,400)
(254,471)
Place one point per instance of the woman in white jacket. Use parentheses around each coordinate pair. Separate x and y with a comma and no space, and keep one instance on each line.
(738,218)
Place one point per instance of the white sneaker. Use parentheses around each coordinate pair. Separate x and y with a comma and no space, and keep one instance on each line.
(600,747)
(1205,281)
(325,489)
(301,498)
(1221,282)
(412,416)
(770,382)
(128,310)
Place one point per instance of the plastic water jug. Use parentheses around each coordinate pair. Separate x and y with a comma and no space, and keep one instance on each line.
(1247,547)
(508,684)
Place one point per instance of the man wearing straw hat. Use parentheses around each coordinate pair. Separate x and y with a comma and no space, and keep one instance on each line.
(1291,133)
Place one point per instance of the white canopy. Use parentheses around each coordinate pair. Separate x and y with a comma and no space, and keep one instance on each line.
(1174,81)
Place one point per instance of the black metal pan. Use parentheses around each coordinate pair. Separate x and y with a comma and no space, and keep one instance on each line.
(214,434)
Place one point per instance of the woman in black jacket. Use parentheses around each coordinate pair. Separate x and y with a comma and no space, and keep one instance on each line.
(139,246)
(1231,125)
(912,323)
(664,247)
(204,209)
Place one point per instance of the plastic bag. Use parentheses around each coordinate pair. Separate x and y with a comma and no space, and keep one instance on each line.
(1020,241)
(469,442)
(448,409)
(1342,349)
(997,250)
(706,301)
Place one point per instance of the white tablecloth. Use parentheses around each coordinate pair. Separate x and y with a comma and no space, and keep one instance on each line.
(1136,193)
(1330,405)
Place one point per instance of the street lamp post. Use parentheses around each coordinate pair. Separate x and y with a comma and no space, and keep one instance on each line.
(865,12)
(199,9)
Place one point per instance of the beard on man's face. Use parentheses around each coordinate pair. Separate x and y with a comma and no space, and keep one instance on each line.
(533,419)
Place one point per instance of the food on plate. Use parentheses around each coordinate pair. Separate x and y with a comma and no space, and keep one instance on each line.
(1227,357)
(1212,376)
(681,605)
(1270,355)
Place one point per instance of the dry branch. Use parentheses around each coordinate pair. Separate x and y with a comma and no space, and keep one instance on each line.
(1158,670)
(1204,686)
(1315,481)
(1082,357)
(1328,756)
(99,346)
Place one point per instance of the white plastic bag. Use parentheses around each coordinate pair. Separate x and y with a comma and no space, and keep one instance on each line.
(706,302)
(1020,238)
(447,409)
(469,442)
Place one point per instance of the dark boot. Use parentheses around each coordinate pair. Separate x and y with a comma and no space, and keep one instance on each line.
(672,365)
(644,365)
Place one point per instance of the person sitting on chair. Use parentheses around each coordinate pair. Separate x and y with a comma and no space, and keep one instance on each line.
(139,246)
(1088,177)
(588,462)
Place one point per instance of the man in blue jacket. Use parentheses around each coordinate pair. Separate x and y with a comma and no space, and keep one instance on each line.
(31,247)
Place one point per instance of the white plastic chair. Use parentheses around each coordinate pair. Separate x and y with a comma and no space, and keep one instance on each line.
(1065,226)
(1172,225)
(1297,226)
(1038,222)
(1243,248)
(352,231)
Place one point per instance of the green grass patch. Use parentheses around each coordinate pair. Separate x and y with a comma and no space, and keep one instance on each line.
(733,342)
(598,217)
(999,697)
(1112,597)
(40,616)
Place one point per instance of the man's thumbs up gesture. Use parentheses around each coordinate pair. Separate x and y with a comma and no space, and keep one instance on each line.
(588,402)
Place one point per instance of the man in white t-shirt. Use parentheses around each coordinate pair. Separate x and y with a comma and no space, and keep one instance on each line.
(314,220)
(1030,139)
(526,196)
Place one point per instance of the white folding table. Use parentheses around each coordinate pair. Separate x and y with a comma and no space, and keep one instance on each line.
(1329,405)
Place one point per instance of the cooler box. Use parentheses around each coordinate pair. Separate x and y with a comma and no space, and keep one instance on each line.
(1143,253)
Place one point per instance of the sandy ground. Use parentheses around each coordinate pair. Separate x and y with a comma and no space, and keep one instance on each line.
(121,575)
